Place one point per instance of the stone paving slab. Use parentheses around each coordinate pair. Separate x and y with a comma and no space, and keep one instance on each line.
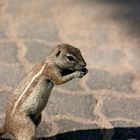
(104,105)
(79,106)
(36,51)
(8,51)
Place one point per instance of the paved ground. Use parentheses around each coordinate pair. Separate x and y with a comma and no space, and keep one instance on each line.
(105,104)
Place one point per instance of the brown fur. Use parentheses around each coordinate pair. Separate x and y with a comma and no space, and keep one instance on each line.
(23,113)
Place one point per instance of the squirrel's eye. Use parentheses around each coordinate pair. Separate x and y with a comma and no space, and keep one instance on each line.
(70,58)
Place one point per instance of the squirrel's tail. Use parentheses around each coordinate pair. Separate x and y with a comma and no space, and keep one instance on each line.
(2,131)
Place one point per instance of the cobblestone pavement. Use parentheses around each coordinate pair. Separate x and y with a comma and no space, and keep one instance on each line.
(105,104)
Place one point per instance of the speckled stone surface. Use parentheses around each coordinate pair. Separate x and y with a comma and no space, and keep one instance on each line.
(103,105)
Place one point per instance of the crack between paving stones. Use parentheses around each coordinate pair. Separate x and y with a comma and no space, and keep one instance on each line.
(101,119)
(70,117)
(125,120)
(12,37)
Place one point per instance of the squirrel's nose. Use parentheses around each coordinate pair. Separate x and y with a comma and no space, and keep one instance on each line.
(83,64)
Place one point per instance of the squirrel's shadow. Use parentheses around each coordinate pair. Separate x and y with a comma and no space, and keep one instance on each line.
(97,134)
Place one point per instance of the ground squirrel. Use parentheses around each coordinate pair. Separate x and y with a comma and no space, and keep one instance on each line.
(23,113)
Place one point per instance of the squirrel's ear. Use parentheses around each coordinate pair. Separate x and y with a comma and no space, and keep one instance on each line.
(57,53)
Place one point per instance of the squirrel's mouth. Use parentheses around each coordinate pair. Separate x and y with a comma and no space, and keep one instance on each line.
(67,72)
(70,71)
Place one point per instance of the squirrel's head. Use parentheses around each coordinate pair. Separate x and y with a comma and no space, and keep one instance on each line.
(67,57)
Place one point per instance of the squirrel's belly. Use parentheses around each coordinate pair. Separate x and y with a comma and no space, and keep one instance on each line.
(36,102)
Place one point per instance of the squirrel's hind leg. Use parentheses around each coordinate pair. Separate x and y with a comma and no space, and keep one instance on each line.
(23,128)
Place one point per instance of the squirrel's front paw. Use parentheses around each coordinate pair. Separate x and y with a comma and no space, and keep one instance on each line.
(81,73)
